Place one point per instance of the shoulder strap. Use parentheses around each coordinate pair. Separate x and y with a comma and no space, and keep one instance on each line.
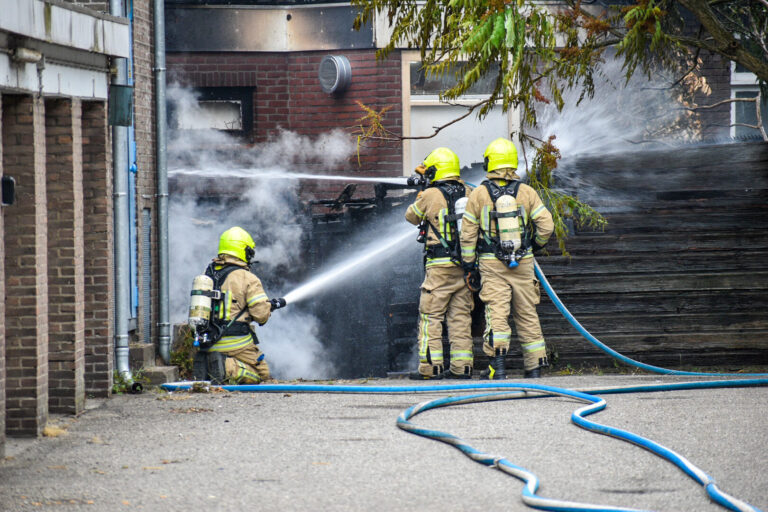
(220,275)
(496,191)
(452,191)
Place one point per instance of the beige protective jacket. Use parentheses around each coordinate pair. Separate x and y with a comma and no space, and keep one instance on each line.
(431,205)
(477,218)
(243,290)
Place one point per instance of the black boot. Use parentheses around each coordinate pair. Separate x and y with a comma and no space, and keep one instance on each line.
(532,374)
(217,372)
(448,374)
(200,366)
(535,373)
(496,370)
(437,374)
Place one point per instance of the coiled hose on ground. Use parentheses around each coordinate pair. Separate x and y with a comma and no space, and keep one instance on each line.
(512,390)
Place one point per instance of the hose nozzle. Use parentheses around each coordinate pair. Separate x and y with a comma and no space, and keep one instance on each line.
(277,303)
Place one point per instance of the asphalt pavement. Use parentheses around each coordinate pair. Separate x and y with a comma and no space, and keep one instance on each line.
(289,451)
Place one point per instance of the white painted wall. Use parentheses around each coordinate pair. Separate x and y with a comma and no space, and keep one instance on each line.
(467,138)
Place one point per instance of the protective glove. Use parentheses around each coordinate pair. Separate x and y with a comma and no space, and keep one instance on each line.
(415,180)
(471,276)
(277,303)
(536,247)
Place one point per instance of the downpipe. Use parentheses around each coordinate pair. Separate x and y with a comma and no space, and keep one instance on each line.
(121,231)
(163,323)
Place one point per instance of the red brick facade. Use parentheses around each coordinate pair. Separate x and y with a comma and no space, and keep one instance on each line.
(64,177)
(26,264)
(99,245)
(287,95)
(57,243)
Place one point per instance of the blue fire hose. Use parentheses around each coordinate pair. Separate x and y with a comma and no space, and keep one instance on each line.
(514,390)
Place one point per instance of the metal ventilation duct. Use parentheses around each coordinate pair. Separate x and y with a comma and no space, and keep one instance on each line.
(335,74)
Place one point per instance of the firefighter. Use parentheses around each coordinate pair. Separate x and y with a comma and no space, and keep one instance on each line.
(438,212)
(504,222)
(234,355)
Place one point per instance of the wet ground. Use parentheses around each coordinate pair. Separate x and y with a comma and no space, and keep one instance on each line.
(308,451)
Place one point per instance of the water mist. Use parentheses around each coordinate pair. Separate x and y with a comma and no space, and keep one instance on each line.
(620,119)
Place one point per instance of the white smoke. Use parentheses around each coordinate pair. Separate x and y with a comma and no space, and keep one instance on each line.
(200,209)
(620,117)
(292,347)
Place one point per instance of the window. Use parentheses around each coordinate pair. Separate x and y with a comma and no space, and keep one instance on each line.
(229,109)
(430,84)
(744,113)
(423,111)
(743,85)
(216,115)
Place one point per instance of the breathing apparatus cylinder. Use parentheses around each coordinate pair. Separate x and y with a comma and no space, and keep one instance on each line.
(509,228)
(200,302)
(459,206)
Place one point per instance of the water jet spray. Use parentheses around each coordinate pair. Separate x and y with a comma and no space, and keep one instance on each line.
(350,266)
(274,174)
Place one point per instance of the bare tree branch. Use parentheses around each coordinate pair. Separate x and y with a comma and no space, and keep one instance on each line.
(753,126)
(440,128)
(715,105)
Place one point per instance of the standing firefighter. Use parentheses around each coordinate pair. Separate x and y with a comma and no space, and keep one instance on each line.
(438,211)
(225,300)
(504,222)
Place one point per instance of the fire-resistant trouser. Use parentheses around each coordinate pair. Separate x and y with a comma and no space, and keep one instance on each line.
(246,365)
(502,285)
(444,295)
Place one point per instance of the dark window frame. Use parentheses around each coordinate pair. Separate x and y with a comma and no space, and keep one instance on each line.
(243,95)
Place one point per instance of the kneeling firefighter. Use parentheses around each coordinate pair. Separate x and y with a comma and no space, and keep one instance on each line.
(504,222)
(225,300)
(438,210)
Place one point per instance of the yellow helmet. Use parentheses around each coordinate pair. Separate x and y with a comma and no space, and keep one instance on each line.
(238,243)
(500,154)
(440,164)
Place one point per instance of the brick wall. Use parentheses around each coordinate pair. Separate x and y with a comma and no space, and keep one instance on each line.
(144,125)
(288,95)
(64,178)
(267,72)
(2,306)
(99,243)
(26,261)
(716,121)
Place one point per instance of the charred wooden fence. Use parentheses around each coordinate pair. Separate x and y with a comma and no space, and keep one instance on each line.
(680,274)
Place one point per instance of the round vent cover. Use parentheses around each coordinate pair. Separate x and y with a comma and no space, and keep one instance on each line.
(335,74)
